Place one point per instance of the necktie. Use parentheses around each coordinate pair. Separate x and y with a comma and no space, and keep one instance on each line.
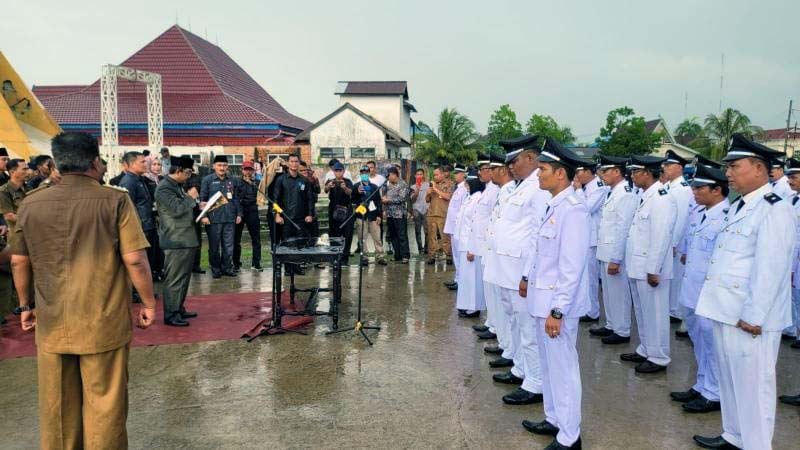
(794,200)
(741,203)
(547,210)
(704,218)
(608,195)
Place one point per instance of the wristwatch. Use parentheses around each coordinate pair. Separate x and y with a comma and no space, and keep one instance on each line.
(26,308)
(525,279)
(556,313)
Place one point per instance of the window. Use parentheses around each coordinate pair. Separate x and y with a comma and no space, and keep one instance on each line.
(271,157)
(362,152)
(331,152)
(235,160)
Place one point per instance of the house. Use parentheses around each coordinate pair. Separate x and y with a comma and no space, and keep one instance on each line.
(373,121)
(678,144)
(777,139)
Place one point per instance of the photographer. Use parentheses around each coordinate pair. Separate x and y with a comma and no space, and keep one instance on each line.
(340,193)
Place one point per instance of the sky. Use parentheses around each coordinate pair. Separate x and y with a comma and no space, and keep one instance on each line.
(574,60)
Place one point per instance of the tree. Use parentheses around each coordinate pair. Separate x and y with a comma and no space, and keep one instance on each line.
(455,140)
(625,134)
(547,126)
(502,125)
(719,129)
(689,127)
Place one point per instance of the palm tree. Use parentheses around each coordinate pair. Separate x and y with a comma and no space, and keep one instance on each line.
(455,140)
(689,127)
(719,129)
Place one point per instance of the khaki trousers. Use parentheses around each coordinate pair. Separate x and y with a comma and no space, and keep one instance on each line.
(437,239)
(83,400)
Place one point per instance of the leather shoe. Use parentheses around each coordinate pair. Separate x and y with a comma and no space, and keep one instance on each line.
(230,274)
(787,337)
(795,344)
(216,276)
(713,442)
(790,399)
(453,287)
(701,405)
(493,350)
(480,328)
(555,445)
(544,427)
(601,331)
(430,261)
(649,367)
(507,378)
(486,335)
(188,315)
(471,315)
(680,334)
(614,339)
(673,319)
(684,397)
(632,357)
(586,318)
(198,270)
(501,362)
(449,283)
(178,322)
(522,397)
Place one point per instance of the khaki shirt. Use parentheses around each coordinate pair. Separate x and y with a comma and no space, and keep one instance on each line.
(10,198)
(438,206)
(75,234)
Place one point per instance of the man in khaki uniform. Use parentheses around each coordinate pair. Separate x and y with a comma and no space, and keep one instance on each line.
(12,193)
(439,198)
(82,316)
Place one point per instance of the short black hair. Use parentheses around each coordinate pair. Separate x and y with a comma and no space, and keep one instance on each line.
(303,163)
(164,149)
(569,170)
(393,169)
(445,168)
(42,160)
(175,168)
(371,162)
(15,163)
(74,152)
(420,170)
(146,152)
(130,157)
(293,155)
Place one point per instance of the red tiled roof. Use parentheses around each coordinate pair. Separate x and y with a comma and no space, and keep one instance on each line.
(201,84)
(780,133)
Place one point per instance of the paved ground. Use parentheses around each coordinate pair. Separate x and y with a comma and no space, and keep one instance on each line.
(425,384)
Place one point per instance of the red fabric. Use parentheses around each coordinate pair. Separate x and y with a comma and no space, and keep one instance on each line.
(219,317)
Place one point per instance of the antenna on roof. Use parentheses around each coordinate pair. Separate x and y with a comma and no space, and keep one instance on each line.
(205,34)
(190,24)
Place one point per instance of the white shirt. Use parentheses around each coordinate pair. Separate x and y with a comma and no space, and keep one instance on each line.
(456,200)
(649,246)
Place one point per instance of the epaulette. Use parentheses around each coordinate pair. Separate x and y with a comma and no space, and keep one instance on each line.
(116,188)
(599,183)
(662,192)
(725,211)
(628,189)
(683,183)
(41,187)
(772,198)
(572,200)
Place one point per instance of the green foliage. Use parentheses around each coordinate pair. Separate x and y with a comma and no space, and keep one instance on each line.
(718,129)
(455,140)
(689,127)
(625,134)
(547,126)
(502,125)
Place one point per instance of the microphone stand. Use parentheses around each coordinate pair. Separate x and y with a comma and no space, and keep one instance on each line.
(361,210)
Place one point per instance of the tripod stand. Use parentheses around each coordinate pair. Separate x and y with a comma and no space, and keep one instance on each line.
(359,325)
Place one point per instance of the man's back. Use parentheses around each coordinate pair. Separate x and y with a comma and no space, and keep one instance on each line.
(75,234)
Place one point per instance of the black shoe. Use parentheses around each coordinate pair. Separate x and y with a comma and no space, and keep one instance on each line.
(501,362)
(673,319)
(555,445)
(493,350)
(216,275)
(684,397)
(544,427)
(522,397)
(480,328)
(601,331)
(430,261)
(237,268)
(198,270)
(649,367)
(632,357)
(449,261)
(472,315)
(486,335)
(680,334)
(230,274)
(615,339)
(795,344)
(453,287)
(177,322)
(586,318)
(507,378)
(701,405)
(257,269)
(188,315)
(787,337)
(790,399)
(713,442)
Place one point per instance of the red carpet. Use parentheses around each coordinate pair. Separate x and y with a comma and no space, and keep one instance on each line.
(219,317)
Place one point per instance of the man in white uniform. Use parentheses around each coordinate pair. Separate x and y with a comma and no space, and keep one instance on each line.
(508,265)
(456,200)
(648,257)
(589,185)
(710,188)
(746,295)
(793,172)
(616,215)
(469,298)
(780,183)
(677,186)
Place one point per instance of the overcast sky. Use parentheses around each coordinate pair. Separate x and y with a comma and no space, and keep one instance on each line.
(574,60)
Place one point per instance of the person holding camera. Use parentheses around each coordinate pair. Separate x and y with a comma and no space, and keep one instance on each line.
(340,193)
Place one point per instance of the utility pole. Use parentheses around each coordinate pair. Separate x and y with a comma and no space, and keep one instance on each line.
(788,127)
(721,78)
(686,105)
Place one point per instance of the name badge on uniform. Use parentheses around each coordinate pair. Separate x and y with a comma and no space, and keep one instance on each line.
(229,195)
(302,186)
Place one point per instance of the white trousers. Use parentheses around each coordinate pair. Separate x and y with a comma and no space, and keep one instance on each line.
(678,269)
(494,315)
(747,385)
(526,353)
(593,273)
(701,331)
(469,296)
(794,330)
(454,249)
(561,380)
(616,300)
(511,327)
(651,306)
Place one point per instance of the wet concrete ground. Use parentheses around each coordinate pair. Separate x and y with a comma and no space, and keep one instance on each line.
(424,384)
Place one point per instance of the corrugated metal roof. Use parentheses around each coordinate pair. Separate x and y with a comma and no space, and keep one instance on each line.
(373,88)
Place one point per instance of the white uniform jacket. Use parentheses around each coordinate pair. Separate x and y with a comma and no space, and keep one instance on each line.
(464,222)
(502,198)
(782,188)
(593,195)
(649,245)
(481,215)
(456,200)
(558,278)
(515,233)
(748,278)
(684,201)
(795,201)
(701,238)
(616,216)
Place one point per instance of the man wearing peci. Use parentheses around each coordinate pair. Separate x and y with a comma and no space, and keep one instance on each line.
(221,222)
